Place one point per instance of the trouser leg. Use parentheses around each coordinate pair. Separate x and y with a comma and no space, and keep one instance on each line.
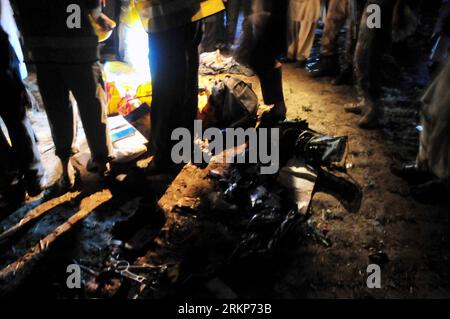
(221,31)
(193,35)
(305,40)
(60,112)
(370,49)
(264,53)
(174,67)
(293,39)
(372,45)
(355,9)
(112,10)
(269,74)
(335,19)
(271,85)
(84,81)
(247,10)
(24,154)
(24,146)
(233,8)
(209,40)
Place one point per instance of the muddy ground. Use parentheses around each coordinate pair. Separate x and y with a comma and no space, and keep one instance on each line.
(415,237)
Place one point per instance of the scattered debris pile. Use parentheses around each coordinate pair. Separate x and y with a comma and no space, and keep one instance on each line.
(213,63)
(211,233)
(246,217)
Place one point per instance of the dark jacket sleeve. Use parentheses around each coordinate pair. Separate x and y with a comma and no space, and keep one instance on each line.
(4,51)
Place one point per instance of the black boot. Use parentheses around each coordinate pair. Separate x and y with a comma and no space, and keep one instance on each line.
(35,183)
(411,173)
(342,188)
(432,192)
(325,66)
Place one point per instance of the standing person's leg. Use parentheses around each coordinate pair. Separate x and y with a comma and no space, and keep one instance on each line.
(247,11)
(328,63)
(112,10)
(306,40)
(12,190)
(121,28)
(355,9)
(293,29)
(264,54)
(246,39)
(169,67)
(209,39)
(370,49)
(293,40)
(336,15)
(233,9)
(24,153)
(22,160)
(188,113)
(221,31)
(61,117)
(84,81)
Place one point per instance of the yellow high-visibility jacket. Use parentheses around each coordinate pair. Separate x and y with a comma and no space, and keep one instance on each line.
(160,15)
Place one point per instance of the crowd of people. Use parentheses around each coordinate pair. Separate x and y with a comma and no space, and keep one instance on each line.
(365,45)
(262,34)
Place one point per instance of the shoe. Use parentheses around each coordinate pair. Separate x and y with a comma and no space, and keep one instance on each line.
(325,66)
(341,187)
(66,181)
(272,117)
(431,192)
(355,108)
(411,173)
(35,185)
(372,113)
(312,62)
(102,169)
